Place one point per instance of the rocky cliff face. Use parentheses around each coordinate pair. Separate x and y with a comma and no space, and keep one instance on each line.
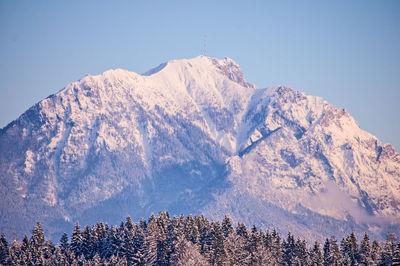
(193,136)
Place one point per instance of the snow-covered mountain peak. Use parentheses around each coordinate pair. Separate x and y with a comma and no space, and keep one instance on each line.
(232,70)
(202,64)
(191,135)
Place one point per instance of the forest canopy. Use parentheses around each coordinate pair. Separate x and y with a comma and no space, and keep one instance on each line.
(192,240)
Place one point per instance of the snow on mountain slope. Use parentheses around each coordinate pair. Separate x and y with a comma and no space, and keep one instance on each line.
(305,155)
(193,136)
(323,147)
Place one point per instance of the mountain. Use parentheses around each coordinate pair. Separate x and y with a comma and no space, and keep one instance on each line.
(193,136)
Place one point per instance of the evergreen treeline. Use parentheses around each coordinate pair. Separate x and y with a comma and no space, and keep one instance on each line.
(192,240)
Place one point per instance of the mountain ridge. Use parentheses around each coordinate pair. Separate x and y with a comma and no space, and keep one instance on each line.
(193,135)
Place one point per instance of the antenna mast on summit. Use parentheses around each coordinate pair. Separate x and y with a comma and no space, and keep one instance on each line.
(205,46)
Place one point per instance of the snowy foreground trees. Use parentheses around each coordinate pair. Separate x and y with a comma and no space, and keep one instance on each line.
(192,240)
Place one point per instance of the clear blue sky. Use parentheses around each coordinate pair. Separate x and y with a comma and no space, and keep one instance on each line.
(347,52)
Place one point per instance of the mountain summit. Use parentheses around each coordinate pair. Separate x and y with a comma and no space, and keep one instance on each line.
(193,136)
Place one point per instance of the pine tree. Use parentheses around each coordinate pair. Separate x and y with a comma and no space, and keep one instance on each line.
(204,232)
(259,255)
(128,249)
(48,250)
(68,257)
(100,236)
(376,251)
(388,248)
(254,242)
(186,253)
(178,223)
(217,254)
(354,249)
(236,250)
(288,249)
(241,230)
(133,245)
(36,243)
(396,256)
(345,260)
(138,245)
(165,239)
(87,243)
(391,240)
(115,239)
(316,255)
(4,252)
(301,253)
(327,253)
(76,241)
(15,252)
(25,244)
(190,229)
(37,238)
(152,236)
(227,227)
(129,223)
(365,251)
(64,242)
(335,253)
(94,242)
(142,224)
(25,257)
(57,257)
(275,247)
(349,247)
(175,230)
(267,240)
